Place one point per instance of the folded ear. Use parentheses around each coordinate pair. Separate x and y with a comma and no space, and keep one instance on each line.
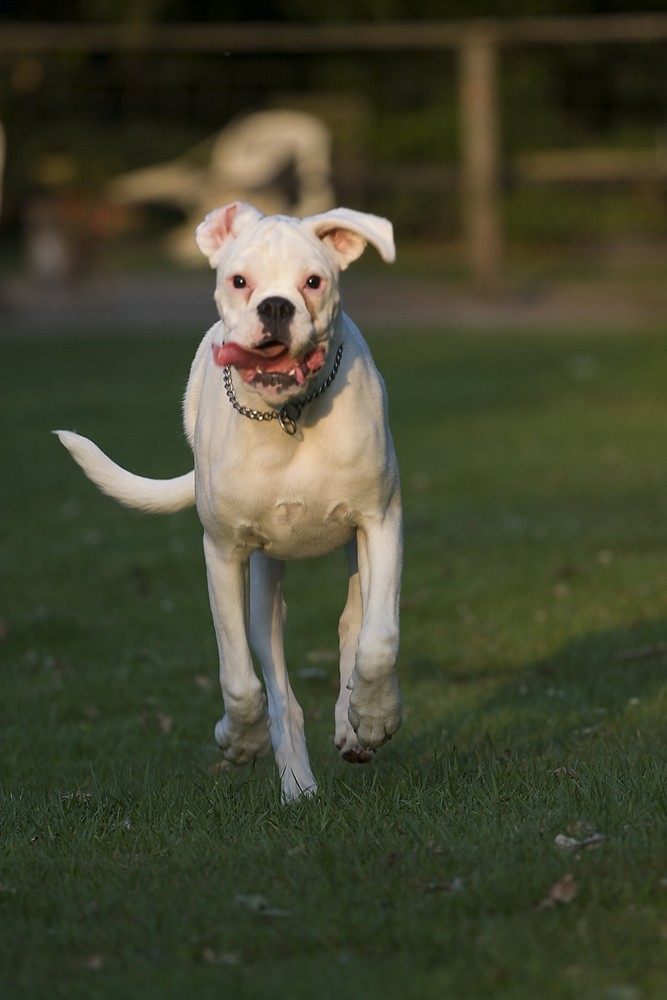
(346,233)
(222,224)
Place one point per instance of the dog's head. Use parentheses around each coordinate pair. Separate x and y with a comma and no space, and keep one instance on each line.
(277,289)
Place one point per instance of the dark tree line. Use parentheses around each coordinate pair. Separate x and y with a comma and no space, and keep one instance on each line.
(153,11)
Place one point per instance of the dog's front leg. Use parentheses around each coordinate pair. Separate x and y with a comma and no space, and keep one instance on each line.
(375,701)
(243,732)
(267,623)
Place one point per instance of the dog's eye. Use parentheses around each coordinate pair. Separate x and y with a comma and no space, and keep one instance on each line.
(238,281)
(314,281)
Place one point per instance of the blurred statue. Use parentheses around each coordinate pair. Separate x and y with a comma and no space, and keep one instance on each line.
(278,160)
(47,248)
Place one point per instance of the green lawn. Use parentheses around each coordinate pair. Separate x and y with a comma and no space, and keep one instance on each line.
(533,668)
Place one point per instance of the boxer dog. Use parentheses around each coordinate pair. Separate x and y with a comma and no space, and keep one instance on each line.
(287,418)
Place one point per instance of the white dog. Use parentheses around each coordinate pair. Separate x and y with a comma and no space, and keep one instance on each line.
(286,415)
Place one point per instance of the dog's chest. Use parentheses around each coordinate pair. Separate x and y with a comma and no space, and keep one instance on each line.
(301,510)
(297,529)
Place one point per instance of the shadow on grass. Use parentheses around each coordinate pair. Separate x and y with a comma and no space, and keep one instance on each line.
(606,683)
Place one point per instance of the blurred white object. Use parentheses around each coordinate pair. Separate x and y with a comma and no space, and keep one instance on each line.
(47,250)
(280,160)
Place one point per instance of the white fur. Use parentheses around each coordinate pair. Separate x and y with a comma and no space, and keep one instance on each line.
(155,496)
(265,497)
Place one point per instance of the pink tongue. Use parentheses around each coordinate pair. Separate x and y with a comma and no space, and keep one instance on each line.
(315,360)
(234,354)
(276,358)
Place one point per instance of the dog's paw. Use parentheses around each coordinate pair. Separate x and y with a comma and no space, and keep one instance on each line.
(297,786)
(348,747)
(375,709)
(242,744)
(355,754)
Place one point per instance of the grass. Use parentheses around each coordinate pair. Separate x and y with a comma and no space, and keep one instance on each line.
(533,667)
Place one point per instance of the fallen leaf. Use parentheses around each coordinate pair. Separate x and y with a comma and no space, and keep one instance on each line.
(565,772)
(580,828)
(77,796)
(94,963)
(159,720)
(165,723)
(561,892)
(565,843)
(220,766)
(590,730)
(451,888)
(220,957)
(260,905)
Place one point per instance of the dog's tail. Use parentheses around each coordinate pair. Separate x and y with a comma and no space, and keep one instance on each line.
(155,496)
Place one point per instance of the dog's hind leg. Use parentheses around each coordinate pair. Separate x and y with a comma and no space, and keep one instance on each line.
(348,634)
(267,623)
(243,733)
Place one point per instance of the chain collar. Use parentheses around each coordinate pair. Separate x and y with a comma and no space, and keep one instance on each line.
(288,414)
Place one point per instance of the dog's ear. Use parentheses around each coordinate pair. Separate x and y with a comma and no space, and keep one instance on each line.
(222,224)
(347,232)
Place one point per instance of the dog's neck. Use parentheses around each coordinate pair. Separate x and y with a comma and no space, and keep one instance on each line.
(287,414)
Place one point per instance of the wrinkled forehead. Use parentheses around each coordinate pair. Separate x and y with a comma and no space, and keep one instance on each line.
(277,248)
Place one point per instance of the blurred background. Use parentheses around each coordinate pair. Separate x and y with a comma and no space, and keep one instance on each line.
(520,150)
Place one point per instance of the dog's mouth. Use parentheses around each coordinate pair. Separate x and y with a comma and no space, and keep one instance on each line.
(270,366)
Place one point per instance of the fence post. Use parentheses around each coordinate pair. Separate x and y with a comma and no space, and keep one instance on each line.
(480,158)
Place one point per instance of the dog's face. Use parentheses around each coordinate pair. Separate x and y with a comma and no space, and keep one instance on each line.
(277,289)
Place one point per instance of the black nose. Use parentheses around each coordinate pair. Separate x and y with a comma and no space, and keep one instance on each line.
(275,310)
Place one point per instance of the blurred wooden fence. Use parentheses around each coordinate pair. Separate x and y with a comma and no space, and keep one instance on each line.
(478,44)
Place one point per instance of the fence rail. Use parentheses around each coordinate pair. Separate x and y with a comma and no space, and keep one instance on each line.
(312,38)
